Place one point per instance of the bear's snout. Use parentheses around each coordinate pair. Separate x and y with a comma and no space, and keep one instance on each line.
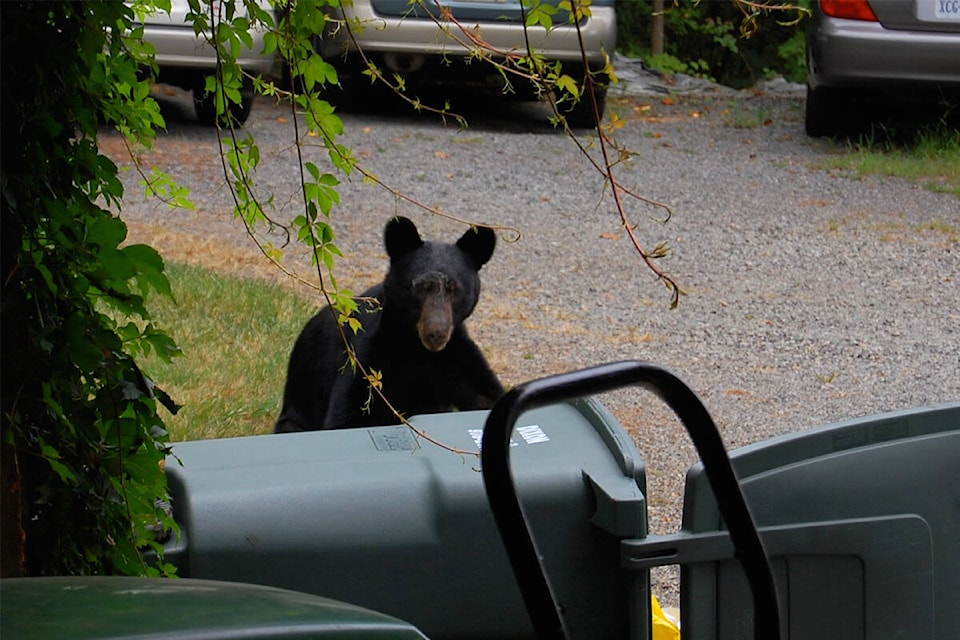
(434,333)
(435,325)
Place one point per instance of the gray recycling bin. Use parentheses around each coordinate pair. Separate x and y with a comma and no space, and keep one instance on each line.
(388,521)
(861,520)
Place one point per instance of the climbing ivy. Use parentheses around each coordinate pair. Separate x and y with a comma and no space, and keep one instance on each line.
(83,444)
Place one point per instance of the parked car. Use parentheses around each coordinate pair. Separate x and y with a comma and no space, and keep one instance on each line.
(185,59)
(886,49)
(424,44)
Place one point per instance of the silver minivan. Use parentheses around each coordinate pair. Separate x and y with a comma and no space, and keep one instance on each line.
(440,42)
(184,59)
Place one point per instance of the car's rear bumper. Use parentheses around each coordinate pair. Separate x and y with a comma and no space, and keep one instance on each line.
(855,53)
(410,36)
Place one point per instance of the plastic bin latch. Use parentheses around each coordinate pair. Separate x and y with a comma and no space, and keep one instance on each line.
(621,507)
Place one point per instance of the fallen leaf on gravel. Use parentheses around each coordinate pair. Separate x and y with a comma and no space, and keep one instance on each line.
(609,236)
(737,392)
(441,155)
(283,121)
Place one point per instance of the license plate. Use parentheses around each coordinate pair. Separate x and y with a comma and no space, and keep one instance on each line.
(946,10)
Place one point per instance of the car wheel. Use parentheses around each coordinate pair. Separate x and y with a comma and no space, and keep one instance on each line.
(581,114)
(826,112)
(206,109)
(347,96)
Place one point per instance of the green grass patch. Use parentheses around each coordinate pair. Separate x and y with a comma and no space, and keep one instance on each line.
(739,116)
(236,335)
(929,156)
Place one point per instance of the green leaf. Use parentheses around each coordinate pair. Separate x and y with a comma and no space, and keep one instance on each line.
(569,85)
(316,71)
(164,187)
(115,267)
(322,119)
(163,345)
(52,456)
(149,264)
(540,13)
(106,231)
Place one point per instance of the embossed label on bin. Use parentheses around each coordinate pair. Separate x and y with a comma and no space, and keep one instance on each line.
(393,439)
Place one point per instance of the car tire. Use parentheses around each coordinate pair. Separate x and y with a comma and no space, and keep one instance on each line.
(581,114)
(349,96)
(826,112)
(206,110)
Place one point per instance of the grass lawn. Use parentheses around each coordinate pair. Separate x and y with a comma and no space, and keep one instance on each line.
(236,335)
(929,156)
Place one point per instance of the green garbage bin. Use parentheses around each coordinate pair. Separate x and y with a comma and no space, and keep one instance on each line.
(110,608)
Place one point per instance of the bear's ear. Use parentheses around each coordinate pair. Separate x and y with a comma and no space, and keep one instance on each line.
(401,237)
(478,243)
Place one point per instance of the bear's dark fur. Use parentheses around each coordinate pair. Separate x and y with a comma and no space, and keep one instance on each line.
(416,340)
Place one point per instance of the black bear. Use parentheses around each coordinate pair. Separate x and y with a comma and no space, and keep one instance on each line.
(416,340)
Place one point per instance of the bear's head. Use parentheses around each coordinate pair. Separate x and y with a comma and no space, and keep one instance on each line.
(433,286)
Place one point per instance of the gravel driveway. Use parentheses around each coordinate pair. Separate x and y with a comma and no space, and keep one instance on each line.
(811,296)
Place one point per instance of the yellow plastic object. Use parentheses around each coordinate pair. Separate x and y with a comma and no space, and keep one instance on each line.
(663,627)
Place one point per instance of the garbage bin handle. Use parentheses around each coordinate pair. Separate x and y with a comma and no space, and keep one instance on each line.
(538,595)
